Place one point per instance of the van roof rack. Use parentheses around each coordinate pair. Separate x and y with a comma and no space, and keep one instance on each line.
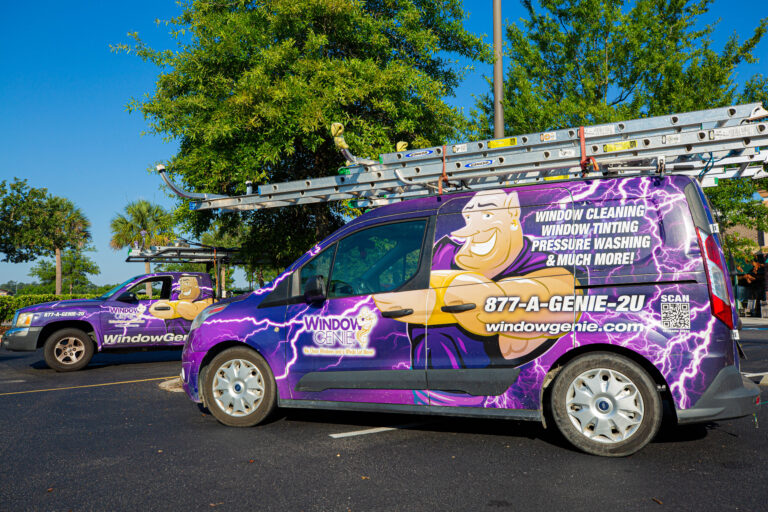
(709,144)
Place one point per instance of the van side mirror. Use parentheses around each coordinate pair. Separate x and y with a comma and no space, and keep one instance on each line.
(314,289)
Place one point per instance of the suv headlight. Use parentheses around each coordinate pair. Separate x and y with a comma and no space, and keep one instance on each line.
(200,318)
(24,320)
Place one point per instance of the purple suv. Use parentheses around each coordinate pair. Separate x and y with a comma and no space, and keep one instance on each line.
(70,331)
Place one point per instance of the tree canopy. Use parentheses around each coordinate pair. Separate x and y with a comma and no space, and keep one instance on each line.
(143,224)
(597,61)
(76,268)
(252,88)
(23,221)
(34,223)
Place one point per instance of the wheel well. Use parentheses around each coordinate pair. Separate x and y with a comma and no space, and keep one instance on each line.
(645,364)
(67,324)
(218,349)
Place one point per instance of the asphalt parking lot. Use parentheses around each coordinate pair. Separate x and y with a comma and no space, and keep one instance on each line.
(110,438)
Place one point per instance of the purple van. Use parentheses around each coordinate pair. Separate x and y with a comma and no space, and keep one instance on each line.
(70,331)
(588,304)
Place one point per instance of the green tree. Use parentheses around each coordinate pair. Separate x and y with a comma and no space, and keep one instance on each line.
(72,269)
(143,224)
(23,221)
(737,202)
(67,228)
(596,61)
(253,87)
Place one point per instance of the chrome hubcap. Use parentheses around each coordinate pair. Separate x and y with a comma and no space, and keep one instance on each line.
(69,350)
(604,405)
(238,387)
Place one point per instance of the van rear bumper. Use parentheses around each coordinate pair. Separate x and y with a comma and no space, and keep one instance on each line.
(729,396)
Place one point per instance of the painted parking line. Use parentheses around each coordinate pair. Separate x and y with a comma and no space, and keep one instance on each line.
(374,430)
(11,381)
(85,386)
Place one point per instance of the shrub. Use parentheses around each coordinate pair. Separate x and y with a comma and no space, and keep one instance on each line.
(9,304)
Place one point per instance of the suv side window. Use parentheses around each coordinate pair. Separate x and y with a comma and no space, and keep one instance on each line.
(161,288)
(378,259)
(320,265)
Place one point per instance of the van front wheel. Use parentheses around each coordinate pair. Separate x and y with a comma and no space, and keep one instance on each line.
(239,388)
(605,404)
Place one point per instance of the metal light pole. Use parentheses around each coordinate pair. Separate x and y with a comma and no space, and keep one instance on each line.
(498,111)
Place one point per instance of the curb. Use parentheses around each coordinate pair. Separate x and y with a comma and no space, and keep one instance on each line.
(174,385)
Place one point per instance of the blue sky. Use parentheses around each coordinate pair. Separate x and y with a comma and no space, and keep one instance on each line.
(63,122)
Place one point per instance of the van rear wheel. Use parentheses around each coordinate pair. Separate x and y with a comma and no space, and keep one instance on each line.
(606,404)
(68,350)
(239,388)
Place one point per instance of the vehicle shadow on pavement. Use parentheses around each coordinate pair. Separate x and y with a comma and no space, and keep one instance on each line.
(424,423)
(105,359)
(8,356)
(681,433)
(669,432)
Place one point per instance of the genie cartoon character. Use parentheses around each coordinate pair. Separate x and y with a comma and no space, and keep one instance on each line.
(186,306)
(488,257)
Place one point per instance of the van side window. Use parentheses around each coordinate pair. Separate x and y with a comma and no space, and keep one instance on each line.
(378,259)
(320,265)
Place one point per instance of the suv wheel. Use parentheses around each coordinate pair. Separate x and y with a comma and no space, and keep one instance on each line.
(68,350)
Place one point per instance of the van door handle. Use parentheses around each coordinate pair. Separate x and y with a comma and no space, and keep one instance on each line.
(163,308)
(458,308)
(396,313)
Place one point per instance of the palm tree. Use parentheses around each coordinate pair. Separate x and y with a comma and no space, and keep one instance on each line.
(69,229)
(144,224)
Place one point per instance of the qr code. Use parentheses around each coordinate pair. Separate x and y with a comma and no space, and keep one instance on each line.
(676,317)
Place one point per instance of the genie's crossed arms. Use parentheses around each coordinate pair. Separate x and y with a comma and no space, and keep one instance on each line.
(186,306)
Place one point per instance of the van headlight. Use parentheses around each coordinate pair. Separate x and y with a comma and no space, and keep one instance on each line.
(24,320)
(200,318)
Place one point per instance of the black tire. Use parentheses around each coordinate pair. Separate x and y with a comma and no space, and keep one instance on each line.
(615,423)
(68,350)
(244,406)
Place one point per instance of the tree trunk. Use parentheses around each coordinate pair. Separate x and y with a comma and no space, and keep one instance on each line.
(58,271)
(223,282)
(147,270)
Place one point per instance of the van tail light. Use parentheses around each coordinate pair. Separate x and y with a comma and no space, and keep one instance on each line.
(716,279)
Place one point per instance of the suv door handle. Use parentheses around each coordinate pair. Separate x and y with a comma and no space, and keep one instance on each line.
(163,308)
(458,308)
(396,313)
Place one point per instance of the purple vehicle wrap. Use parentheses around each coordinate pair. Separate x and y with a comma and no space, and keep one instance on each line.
(119,320)
(518,281)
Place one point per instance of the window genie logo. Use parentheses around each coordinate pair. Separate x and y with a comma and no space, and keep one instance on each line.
(341,335)
(125,316)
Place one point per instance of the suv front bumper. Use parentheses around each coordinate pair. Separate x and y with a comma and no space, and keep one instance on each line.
(21,339)
(730,395)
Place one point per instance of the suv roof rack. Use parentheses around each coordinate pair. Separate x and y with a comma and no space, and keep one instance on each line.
(709,144)
(181,254)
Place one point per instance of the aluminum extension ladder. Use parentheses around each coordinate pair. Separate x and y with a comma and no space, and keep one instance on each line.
(708,144)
